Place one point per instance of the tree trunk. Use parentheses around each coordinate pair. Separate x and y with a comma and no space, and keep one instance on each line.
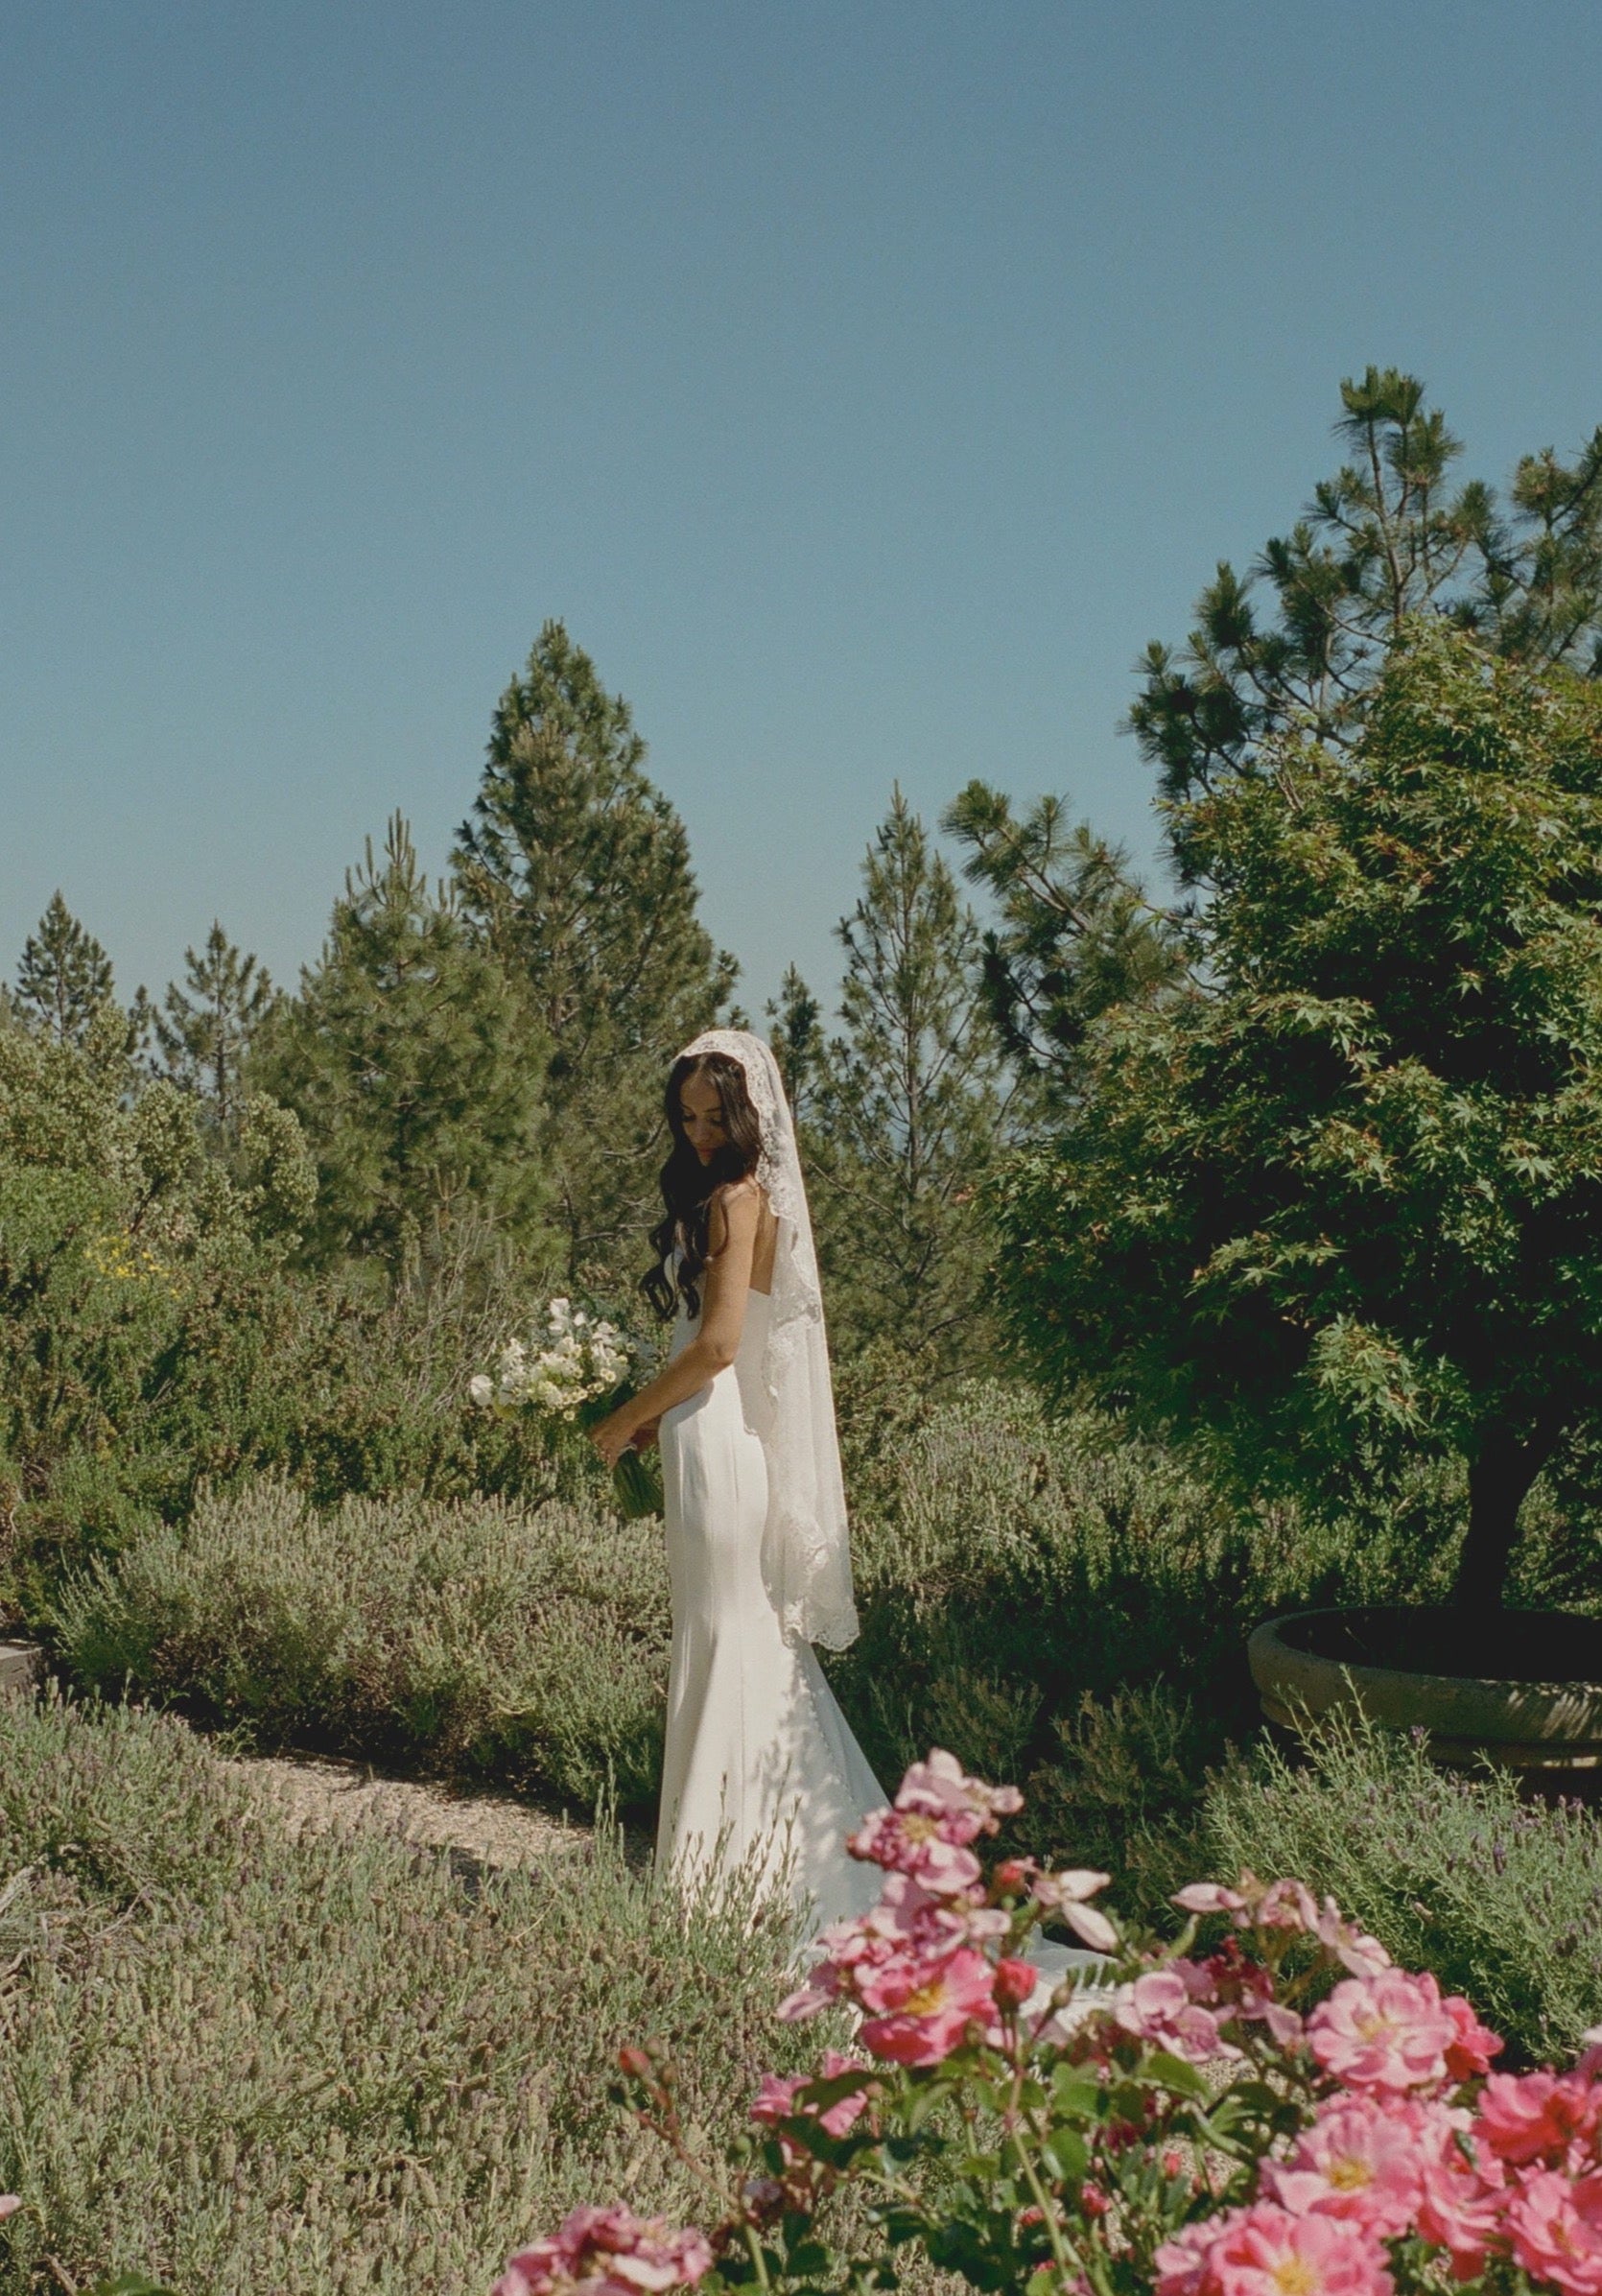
(1499,1479)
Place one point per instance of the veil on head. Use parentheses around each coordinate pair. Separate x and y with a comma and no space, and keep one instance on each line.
(806,1545)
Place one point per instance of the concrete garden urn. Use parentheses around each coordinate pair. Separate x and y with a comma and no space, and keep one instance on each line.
(1523,1688)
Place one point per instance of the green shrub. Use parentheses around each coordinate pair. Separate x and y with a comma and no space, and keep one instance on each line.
(471,1636)
(243,2061)
(1065,1606)
(1501,1898)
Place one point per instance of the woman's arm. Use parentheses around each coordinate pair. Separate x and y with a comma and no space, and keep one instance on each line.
(732,1237)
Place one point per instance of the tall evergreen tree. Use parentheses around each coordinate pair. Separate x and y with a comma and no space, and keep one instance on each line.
(798,1042)
(909,1107)
(1388,538)
(64,977)
(1074,934)
(205,1028)
(575,870)
(406,1058)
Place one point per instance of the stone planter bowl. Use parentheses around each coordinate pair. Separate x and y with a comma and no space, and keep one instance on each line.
(1524,1689)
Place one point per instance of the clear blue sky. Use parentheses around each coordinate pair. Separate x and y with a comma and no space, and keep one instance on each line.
(863,385)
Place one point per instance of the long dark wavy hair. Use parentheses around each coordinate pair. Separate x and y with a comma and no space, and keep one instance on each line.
(688,1184)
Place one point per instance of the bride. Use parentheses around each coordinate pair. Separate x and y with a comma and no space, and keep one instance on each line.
(760,1764)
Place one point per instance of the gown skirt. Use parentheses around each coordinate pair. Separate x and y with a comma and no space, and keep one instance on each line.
(761,1769)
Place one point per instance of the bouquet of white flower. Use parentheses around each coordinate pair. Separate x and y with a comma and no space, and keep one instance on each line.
(577,1371)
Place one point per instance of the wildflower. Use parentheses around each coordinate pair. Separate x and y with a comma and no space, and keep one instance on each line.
(608,2252)
(1475,2045)
(1390,2032)
(1362,1954)
(1254,1905)
(912,1841)
(1461,2196)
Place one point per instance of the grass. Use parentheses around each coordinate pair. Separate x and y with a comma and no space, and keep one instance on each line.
(239,2061)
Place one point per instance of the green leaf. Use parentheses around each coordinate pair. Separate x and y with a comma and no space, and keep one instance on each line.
(1064,2149)
(1175,2073)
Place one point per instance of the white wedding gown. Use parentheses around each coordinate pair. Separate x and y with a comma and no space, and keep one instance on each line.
(761,1765)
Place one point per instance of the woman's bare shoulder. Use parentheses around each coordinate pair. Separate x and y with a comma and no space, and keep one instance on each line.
(739,1200)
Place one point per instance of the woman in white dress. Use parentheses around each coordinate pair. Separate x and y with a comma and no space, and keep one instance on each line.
(759,1767)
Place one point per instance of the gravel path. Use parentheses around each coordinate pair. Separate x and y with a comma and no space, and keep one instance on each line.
(320,1794)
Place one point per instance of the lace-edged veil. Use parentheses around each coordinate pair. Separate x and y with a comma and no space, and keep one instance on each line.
(806,1544)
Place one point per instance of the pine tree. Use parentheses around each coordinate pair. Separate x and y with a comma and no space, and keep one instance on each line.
(575,870)
(205,1028)
(798,1042)
(909,1107)
(64,977)
(406,1058)
(1384,540)
(1074,934)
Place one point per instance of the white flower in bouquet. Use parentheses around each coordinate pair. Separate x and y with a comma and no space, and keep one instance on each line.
(572,1363)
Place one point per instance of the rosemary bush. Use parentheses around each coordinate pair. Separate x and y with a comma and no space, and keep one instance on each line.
(473,1637)
(1501,1898)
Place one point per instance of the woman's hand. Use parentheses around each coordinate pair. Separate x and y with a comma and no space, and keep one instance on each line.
(646,1434)
(613,1434)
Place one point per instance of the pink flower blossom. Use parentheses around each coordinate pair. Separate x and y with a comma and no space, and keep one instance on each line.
(610,2251)
(1064,1894)
(1158,2007)
(1208,1896)
(1475,2045)
(1362,1954)
(922,2011)
(1184,2263)
(1015,1981)
(1253,1904)
(1360,2160)
(916,1842)
(1555,2225)
(1537,2115)
(1266,2251)
(777,2100)
(1390,2032)
(1461,2194)
(965,1807)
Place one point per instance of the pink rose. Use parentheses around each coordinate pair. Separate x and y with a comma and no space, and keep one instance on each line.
(922,2011)
(1158,2007)
(1475,2045)
(965,1807)
(612,2252)
(1462,2198)
(1362,1954)
(1536,2116)
(1266,2251)
(1555,2225)
(1360,2160)
(916,1842)
(1184,2263)
(782,2097)
(1389,2032)
(1064,1894)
